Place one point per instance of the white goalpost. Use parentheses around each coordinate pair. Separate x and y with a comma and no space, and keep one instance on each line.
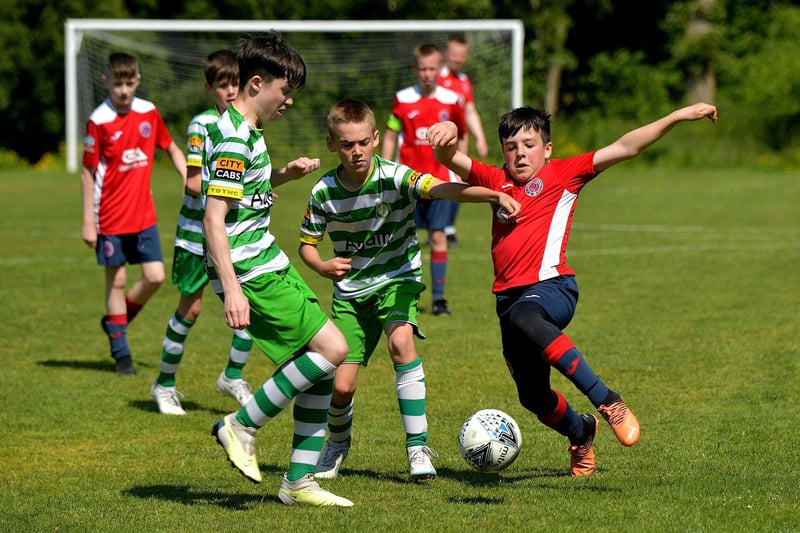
(368,60)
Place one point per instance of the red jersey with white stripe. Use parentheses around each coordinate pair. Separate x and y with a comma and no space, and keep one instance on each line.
(121,149)
(532,247)
(459,83)
(415,114)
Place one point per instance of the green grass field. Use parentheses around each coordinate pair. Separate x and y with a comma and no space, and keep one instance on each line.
(689,307)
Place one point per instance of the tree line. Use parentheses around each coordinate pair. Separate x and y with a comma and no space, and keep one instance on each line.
(584,59)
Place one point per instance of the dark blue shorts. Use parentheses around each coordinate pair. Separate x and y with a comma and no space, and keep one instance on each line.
(558,296)
(432,214)
(132,248)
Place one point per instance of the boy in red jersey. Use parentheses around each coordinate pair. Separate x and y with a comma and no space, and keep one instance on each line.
(414,110)
(535,289)
(119,217)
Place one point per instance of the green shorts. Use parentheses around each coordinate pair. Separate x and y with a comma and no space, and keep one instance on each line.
(363,320)
(188,272)
(284,313)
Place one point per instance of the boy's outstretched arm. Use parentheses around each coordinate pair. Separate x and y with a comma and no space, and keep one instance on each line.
(461,192)
(293,170)
(636,141)
(443,137)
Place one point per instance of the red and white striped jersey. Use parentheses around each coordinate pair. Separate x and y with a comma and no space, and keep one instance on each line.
(121,149)
(532,247)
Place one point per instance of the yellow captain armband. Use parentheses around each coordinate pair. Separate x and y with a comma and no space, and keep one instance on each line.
(426,184)
(225,192)
(305,238)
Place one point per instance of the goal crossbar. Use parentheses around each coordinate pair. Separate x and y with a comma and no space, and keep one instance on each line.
(75,28)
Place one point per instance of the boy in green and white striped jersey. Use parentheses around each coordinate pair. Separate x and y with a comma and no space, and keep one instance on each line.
(188,266)
(261,291)
(366,205)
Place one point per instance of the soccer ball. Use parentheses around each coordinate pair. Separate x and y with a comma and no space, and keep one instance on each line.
(490,440)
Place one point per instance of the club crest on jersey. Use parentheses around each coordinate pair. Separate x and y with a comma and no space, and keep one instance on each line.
(534,187)
(382,210)
(145,129)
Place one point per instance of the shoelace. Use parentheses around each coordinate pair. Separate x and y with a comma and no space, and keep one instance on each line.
(242,389)
(615,413)
(172,396)
(582,449)
(417,456)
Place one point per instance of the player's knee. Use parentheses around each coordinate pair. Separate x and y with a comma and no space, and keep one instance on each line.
(343,392)
(336,350)
(538,404)
(532,320)
(401,344)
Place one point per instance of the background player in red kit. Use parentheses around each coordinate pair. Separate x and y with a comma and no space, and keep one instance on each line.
(414,110)
(535,289)
(453,77)
(119,216)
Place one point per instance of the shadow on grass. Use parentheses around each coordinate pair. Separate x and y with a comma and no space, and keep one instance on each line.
(149,406)
(186,495)
(103,366)
(466,476)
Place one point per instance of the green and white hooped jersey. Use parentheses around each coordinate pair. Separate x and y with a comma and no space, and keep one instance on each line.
(189,234)
(374,226)
(238,167)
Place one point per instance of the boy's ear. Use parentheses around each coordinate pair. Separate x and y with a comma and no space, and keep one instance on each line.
(255,82)
(376,139)
(329,144)
(548,150)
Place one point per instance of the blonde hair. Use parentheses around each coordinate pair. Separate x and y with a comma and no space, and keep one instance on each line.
(350,111)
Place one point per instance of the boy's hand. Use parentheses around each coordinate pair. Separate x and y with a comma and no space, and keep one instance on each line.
(510,207)
(443,134)
(300,167)
(698,111)
(89,234)
(237,310)
(337,268)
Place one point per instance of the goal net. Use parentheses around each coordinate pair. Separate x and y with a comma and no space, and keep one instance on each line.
(367,60)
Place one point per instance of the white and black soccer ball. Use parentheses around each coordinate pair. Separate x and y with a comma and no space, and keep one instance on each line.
(490,440)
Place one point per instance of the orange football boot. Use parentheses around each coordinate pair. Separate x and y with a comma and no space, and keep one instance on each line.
(622,421)
(581,456)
